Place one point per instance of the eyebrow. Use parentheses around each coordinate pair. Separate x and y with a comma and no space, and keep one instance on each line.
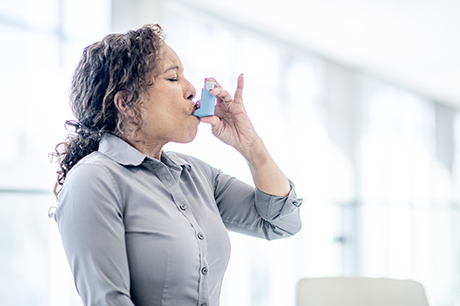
(171,68)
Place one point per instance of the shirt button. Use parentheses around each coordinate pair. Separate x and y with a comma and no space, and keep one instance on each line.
(183,206)
(204,271)
(200,236)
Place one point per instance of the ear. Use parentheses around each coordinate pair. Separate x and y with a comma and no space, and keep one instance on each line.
(120,101)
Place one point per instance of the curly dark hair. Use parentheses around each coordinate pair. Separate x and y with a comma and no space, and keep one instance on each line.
(126,63)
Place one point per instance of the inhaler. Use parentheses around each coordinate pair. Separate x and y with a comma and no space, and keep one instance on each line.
(207,102)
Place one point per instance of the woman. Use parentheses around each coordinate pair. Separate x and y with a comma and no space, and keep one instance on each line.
(141,226)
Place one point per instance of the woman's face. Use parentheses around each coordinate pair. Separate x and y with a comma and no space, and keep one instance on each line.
(168,112)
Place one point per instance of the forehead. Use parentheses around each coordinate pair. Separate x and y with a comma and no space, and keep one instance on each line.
(170,58)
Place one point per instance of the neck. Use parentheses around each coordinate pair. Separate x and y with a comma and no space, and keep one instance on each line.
(149,148)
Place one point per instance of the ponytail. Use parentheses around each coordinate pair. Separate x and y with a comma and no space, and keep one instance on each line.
(79,143)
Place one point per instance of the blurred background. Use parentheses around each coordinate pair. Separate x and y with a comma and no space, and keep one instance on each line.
(358,102)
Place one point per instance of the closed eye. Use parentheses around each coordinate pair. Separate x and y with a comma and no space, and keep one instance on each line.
(172,79)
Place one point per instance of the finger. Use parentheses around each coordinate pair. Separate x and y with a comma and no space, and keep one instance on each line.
(213,80)
(239,88)
(223,95)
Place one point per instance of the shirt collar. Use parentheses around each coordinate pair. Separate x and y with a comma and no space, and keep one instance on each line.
(123,153)
(171,159)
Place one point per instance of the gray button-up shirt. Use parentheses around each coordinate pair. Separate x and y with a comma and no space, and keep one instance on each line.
(139,231)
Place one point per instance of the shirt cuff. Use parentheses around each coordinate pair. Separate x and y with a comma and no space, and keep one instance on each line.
(272,207)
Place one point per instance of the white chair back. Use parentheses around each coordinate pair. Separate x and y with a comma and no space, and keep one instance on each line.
(359,291)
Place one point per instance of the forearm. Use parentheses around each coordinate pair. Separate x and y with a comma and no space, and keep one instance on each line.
(265,173)
(256,213)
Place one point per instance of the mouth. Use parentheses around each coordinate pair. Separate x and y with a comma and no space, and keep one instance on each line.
(195,107)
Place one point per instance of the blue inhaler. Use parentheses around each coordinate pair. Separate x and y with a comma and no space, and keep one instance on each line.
(207,102)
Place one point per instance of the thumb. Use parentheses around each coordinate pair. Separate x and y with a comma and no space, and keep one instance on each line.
(213,120)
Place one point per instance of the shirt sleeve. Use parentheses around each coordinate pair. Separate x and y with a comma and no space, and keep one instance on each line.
(248,210)
(90,220)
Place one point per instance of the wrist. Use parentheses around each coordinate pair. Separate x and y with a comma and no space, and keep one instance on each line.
(255,153)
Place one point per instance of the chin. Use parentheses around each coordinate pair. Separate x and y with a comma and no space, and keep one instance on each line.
(188,138)
(192,137)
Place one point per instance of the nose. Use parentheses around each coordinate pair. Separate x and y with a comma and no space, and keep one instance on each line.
(189,91)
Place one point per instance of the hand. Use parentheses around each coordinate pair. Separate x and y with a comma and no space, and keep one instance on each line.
(232,125)
(230,122)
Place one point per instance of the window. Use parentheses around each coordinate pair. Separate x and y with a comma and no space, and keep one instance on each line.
(41,44)
(369,158)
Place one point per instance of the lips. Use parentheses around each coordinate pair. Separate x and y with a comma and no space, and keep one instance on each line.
(196,106)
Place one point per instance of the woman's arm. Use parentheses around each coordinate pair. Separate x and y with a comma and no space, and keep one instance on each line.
(248,210)
(90,220)
(232,125)
(265,173)
(270,210)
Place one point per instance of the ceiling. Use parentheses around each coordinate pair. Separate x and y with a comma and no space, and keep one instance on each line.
(413,43)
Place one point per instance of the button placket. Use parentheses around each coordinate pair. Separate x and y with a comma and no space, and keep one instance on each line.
(181,203)
(204,271)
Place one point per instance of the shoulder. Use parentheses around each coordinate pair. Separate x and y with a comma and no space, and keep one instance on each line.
(93,171)
(96,158)
(92,164)
(90,181)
